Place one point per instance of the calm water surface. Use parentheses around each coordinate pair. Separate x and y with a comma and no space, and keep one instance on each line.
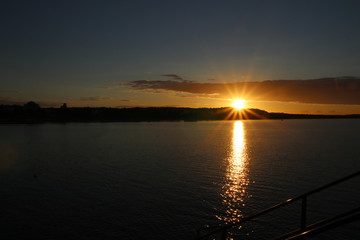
(165,180)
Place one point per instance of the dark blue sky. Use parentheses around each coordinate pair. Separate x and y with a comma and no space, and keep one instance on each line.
(61,50)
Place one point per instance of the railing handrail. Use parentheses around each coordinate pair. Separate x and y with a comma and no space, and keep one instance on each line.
(291,200)
(338,223)
(322,224)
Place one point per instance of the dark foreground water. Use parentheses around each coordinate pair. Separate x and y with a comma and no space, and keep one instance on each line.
(165,180)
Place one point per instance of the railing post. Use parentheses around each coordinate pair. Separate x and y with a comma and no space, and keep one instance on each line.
(198,234)
(223,234)
(303,212)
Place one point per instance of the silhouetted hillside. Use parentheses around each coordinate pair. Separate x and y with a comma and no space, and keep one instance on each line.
(32,113)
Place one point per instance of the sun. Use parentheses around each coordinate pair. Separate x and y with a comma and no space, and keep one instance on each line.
(238,104)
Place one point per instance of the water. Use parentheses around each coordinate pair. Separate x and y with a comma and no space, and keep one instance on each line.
(165,180)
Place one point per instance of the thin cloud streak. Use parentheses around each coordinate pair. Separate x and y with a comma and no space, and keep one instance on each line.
(174,76)
(11,101)
(10,91)
(95,98)
(317,91)
(18,101)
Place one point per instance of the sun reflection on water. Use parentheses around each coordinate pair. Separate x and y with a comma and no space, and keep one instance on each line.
(234,189)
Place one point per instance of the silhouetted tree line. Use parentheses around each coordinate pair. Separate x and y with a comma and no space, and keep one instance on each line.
(33,113)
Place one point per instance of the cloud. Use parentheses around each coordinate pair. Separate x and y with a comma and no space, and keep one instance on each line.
(95,98)
(174,76)
(320,91)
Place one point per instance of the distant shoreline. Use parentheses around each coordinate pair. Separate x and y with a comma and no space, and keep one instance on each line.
(33,113)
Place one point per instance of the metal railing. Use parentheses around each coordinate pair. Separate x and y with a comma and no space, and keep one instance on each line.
(304,230)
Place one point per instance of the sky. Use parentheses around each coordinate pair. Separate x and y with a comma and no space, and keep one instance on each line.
(280,56)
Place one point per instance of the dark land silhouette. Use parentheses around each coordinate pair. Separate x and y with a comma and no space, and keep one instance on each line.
(33,113)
